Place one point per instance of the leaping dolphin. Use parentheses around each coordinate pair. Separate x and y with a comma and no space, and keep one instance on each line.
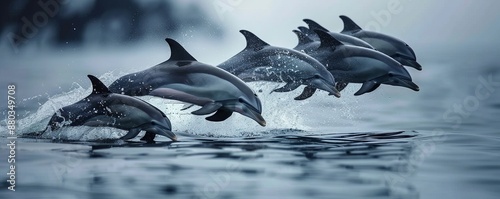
(354,64)
(389,45)
(184,79)
(344,38)
(105,109)
(260,61)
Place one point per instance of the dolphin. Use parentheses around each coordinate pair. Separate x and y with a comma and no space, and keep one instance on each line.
(311,35)
(354,64)
(345,39)
(260,61)
(389,45)
(185,79)
(102,108)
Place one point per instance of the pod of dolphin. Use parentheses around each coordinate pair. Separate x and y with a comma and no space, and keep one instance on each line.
(322,60)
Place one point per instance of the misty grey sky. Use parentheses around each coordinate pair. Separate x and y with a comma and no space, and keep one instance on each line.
(419,23)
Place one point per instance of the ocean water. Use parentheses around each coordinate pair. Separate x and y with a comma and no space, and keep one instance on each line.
(441,142)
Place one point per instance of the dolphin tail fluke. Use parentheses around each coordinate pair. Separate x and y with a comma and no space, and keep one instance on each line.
(349,25)
(207,109)
(290,86)
(367,87)
(314,25)
(307,93)
(221,115)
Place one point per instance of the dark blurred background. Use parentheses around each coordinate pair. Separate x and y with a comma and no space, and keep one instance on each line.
(63,22)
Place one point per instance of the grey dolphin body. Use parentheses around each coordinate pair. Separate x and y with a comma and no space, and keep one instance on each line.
(260,61)
(353,64)
(389,45)
(344,38)
(184,79)
(105,109)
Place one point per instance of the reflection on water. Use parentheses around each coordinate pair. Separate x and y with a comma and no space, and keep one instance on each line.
(344,165)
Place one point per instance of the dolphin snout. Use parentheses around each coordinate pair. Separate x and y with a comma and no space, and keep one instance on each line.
(411,63)
(321,84)
(410,85)
(168,134)
(258,118)
(166,131)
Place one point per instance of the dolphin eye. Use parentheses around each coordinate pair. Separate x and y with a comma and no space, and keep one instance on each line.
(317,76)
(241,100)
(391,75)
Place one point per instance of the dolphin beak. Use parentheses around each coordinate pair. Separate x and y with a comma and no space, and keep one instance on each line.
(252,115)
(165,131)
(322,85)
(410,85)
(258,118)
(411,63)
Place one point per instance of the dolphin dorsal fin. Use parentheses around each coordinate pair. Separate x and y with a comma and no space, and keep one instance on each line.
(97,86)
(303,38)
(315,26)
(253,42)
(177,52)
(349,24)
(327,40)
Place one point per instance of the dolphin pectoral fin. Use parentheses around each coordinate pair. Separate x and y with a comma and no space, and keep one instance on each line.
(341,85)
(207,109)
(131,134)
(290,86)
(307,93)
(149,137)
(186,106)
(367,87)
(373,88)
(221,115)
